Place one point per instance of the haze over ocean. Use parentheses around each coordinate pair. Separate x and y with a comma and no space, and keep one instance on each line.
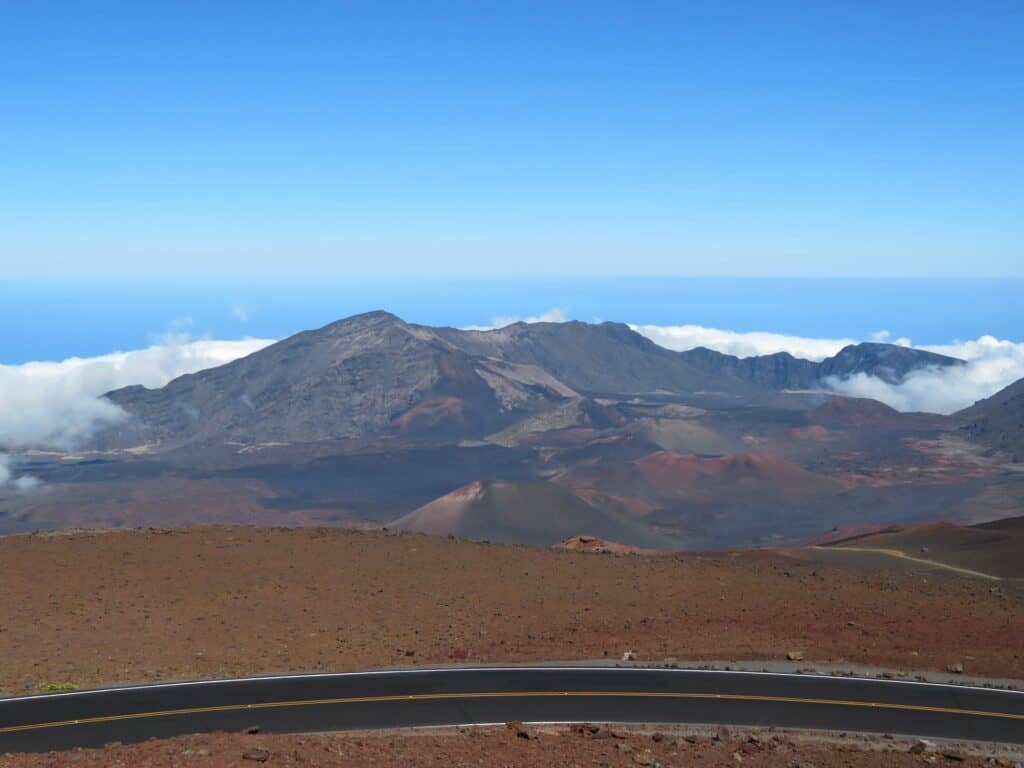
(55,320)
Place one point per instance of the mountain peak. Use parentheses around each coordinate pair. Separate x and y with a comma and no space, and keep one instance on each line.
(781,370)
(889,362)
(374,376)
(525,512)
(374,317)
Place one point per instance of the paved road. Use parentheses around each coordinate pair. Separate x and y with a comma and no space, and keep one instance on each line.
(495,695)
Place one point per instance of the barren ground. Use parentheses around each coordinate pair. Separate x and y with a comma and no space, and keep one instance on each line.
(536,747)
(97,608)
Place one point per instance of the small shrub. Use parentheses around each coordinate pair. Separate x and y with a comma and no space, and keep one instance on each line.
(56,687)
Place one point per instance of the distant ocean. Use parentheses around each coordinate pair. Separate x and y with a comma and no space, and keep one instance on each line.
(52,321)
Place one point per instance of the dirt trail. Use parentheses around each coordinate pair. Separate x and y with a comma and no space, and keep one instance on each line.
(904,556)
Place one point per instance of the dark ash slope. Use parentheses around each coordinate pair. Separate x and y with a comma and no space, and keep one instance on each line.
(375,375)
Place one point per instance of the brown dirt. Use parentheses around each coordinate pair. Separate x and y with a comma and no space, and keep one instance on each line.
(597,545)
(536,747)
(94,608)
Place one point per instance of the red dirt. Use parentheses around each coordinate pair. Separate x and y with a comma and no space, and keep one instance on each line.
(536,747)
(98,608)
(431,414)
(694,477)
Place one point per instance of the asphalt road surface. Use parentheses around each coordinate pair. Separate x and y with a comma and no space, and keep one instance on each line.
(459,696)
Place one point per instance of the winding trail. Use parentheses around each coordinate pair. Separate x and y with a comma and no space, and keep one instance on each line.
(904,556)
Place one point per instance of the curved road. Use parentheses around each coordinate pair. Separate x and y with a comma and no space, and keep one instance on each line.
(458,696)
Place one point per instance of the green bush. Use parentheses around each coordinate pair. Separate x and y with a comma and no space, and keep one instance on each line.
(54,687)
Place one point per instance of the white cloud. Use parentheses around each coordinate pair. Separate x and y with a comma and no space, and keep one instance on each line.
(22,484)
(748,344)
(991,365)
(984,347)
(55,404)
(241,312)
(551,316)
(885,337)
(26,483)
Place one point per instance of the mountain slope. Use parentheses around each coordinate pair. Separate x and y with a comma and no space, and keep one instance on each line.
(662,480)
(998,421)
(853,412)
(522,513)
(889,362)
(993,548)
(375,375)
(602,358)
(368,374)
(778,371)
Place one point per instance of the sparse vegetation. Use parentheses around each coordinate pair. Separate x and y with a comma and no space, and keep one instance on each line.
(58,687)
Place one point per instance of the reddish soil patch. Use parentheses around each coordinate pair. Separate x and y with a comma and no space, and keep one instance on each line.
(431,414)
(527,747)
(697,478)
(97,608)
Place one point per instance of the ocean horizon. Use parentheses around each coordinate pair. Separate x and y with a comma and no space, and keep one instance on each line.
(58,320)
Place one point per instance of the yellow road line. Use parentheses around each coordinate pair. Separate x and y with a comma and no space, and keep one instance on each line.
(508,695)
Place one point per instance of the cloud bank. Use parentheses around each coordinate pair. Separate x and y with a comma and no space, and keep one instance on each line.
(8,481)
(56,405)
(991,364)
(683,337)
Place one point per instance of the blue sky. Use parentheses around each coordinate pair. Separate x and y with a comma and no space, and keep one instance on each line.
(250,140)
